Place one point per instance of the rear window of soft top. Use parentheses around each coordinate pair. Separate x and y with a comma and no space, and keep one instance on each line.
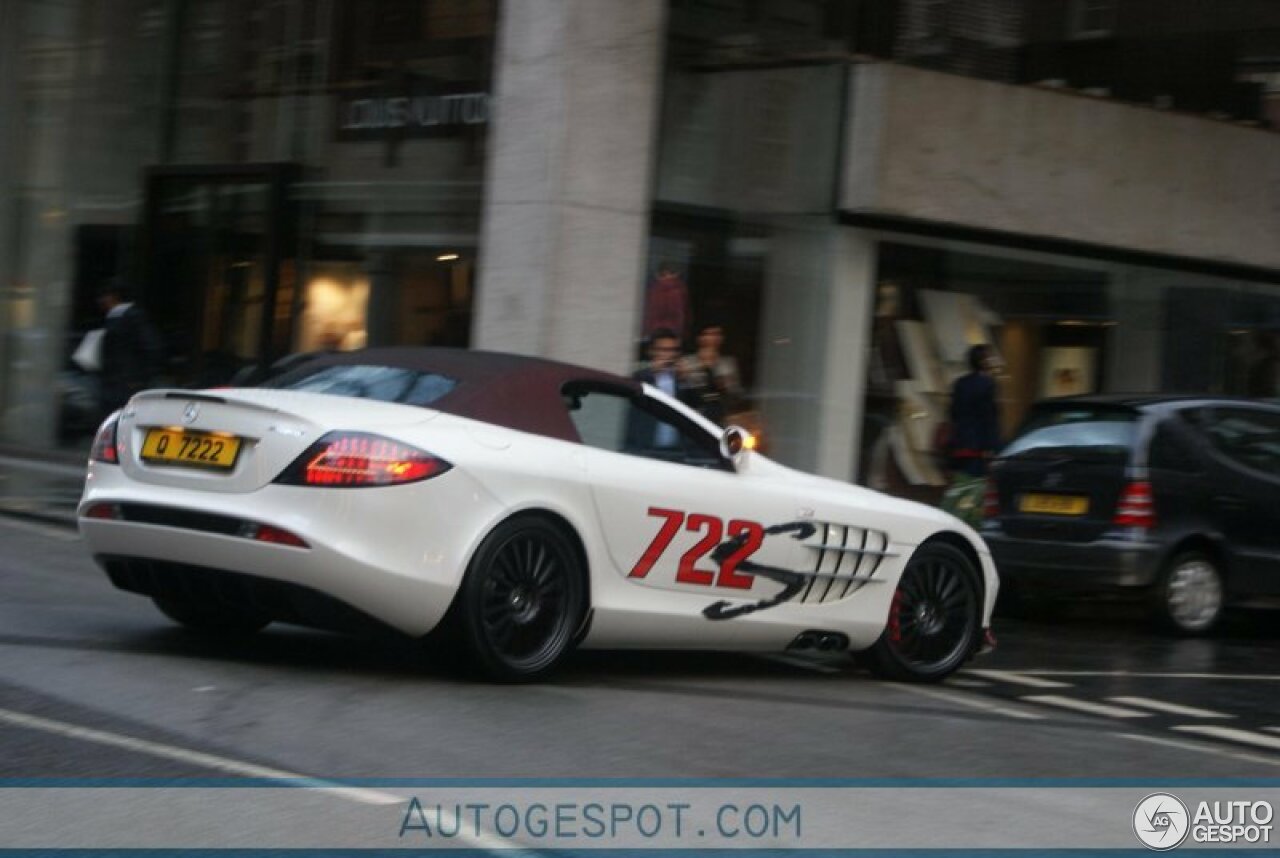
(1085,431)
(366,381)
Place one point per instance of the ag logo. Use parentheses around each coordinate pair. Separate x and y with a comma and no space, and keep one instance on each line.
(1161,821)
(190,413)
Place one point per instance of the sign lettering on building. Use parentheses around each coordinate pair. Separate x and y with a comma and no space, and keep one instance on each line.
(374,117)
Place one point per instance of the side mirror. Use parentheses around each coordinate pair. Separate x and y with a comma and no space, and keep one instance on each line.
(735,442)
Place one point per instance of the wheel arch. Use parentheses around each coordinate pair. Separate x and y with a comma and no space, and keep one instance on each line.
(1206,543)
(558,521)
(958,541)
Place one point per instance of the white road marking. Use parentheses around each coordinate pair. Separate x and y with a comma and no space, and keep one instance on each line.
(1106,674)
(195,758)
(1086,706)
(1215,750)
(968,683)
(1274,729)
(1017,678)
(964,700)
(1171,708)
(1232,734)
(251,770)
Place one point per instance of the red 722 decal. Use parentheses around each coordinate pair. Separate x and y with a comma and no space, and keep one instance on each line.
(713,530)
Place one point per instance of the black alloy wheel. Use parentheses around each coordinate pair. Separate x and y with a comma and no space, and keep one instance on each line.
(211,618)
(935,618)
(523,600)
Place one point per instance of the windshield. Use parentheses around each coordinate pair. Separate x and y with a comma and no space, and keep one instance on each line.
(361,381)
(1085,432)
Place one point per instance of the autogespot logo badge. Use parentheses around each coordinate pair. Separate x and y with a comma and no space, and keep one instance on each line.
(1161,821)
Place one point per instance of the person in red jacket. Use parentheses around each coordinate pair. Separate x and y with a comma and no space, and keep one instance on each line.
(666,303)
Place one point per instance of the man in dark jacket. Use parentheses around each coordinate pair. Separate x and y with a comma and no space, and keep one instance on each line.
(975,424)
(646,435)
(131,352)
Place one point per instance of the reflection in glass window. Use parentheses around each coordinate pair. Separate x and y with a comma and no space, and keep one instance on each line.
(619,424)
(1084,431)
(1247,437)
(381,383)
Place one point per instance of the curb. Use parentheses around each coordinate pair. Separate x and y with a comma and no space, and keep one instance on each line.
(56,519)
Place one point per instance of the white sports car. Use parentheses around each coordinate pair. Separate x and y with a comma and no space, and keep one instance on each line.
(520,507)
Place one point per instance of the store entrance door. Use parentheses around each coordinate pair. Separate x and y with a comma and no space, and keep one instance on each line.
(218,281)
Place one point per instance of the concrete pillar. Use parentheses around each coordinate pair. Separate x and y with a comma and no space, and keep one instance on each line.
(848,346)
(817,325)
(10,153)
(566,213)
(39,291)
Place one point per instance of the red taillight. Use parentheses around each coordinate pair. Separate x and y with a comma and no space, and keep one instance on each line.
(104,443)
(272,534)
(104,511)
(990,500)
(1136,507)
(352,460)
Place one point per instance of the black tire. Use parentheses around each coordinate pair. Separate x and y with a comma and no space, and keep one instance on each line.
(522,600)
(217,619)
(1190,596)
(935,619)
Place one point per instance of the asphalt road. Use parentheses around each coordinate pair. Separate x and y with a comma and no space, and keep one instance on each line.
(96,683)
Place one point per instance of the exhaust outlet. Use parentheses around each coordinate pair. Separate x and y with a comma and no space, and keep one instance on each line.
(804,640)
(820,640)
(832,642)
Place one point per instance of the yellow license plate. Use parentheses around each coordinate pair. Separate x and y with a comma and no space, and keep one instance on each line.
(1054,504)
(190,449)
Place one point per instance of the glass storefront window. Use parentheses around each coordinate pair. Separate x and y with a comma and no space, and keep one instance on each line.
(274,178)
(1057,327)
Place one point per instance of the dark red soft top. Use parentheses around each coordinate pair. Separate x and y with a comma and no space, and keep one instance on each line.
(515,391)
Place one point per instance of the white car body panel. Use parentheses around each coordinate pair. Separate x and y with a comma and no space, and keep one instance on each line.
(398,553)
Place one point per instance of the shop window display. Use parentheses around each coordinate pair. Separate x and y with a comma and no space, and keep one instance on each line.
(1044,327)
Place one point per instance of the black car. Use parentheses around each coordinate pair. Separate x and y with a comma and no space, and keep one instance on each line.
(1176,498)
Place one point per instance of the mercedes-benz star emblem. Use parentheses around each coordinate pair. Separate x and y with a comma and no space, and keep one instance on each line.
(191,412)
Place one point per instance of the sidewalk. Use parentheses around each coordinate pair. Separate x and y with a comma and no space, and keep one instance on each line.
(45,489)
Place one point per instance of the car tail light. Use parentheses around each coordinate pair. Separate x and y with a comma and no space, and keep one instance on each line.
(356,459)
(104,511)
(104,443)
(272,534)
(990,500)
(1136,507)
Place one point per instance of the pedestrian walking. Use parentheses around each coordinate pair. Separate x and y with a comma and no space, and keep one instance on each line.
(130,348)
(975,423)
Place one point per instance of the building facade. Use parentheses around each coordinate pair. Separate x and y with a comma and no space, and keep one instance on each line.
(854,191)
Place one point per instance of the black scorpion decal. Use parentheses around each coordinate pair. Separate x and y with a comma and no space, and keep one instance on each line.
(793,582)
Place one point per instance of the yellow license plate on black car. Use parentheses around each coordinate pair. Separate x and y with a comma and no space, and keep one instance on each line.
(1054,504)
(186,448)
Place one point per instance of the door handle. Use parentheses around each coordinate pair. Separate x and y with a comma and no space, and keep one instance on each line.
(1233,502)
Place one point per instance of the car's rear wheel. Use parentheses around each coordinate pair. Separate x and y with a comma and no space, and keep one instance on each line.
(935,618)
(522,600)
(1190,596)
(211,618)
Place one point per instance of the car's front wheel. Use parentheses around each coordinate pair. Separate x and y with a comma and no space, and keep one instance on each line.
(1190,595)
(208,618)
(935,618)
(522,600)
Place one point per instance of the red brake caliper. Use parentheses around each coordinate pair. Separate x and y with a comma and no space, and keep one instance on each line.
(895,621)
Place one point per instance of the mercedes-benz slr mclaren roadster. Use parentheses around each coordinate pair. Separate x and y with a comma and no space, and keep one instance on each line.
(518,508)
